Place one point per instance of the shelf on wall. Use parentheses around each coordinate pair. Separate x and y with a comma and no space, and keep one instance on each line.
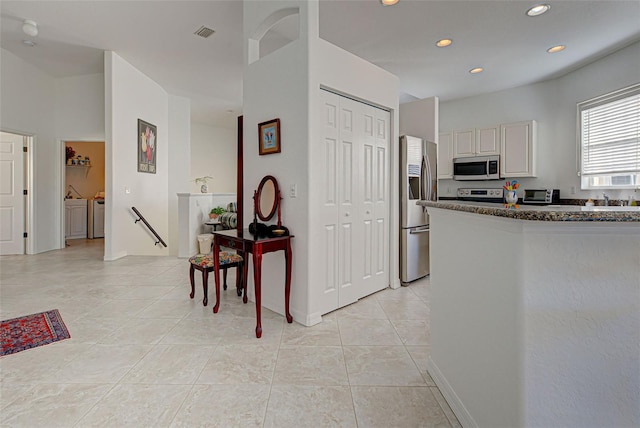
(85,167)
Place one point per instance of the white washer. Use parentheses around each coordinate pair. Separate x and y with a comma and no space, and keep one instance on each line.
(96,219)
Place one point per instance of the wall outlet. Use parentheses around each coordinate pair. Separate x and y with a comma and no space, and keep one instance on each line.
(293,191)
(573,190)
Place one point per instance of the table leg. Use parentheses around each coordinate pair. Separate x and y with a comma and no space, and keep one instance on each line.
(193,289)
(257,274)
(287,285)
(245,278)
(216,266)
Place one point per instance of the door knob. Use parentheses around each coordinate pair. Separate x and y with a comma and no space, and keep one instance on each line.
(368,212)
(347,214)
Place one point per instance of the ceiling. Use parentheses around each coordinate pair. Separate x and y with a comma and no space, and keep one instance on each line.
(157,38)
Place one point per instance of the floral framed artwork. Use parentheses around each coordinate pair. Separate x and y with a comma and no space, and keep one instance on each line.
(147,137)
(269,135)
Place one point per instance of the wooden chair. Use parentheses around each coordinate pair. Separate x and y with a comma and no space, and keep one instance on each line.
(204,263)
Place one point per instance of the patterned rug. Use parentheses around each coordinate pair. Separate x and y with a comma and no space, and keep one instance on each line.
(27,332)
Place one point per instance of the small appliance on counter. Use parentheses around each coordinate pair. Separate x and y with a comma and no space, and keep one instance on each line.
(481,195)
(541,196)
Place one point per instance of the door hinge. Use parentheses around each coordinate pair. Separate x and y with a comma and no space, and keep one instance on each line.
(24,149)
(24,235)
(24,192)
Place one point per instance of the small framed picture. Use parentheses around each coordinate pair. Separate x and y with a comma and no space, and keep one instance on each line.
(269,135)
(146,147)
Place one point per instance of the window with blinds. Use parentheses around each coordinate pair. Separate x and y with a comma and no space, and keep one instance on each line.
(610,140)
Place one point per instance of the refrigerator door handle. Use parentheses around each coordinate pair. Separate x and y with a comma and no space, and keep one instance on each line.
(427,179)
(418,230)
(423,171)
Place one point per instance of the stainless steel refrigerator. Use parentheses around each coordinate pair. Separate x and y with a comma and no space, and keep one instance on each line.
(418,182)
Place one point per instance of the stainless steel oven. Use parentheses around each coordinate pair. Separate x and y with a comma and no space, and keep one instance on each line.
(477,168)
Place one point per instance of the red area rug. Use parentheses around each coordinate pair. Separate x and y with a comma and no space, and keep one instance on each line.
(27,332)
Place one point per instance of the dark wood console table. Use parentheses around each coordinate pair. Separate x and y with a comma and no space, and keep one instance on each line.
(245,242)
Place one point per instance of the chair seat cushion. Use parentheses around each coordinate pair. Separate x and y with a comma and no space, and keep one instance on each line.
(206,260)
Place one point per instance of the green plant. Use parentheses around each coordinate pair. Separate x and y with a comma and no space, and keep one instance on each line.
(217,210)
(203,180)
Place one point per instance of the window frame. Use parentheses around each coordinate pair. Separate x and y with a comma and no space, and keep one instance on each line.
(587,180)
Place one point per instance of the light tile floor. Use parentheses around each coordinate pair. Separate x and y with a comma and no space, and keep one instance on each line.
(142,354)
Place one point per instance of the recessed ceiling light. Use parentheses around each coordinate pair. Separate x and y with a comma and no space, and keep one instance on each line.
(476,70)
(389,2)
(538,9)
(29,43)
(555,49)
(443,43)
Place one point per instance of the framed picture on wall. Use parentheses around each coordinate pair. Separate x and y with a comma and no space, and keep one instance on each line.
(147,149)
(269,135)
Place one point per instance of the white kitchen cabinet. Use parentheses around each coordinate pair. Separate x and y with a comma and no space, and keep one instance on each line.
(75,220)
(476,142)
(518,149)
(488,141)
(445,155)
(464,143)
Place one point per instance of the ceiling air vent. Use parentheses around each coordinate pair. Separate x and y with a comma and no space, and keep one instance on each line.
(204,32)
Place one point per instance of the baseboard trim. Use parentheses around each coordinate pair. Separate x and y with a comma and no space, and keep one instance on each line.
(395,283)
(461,412)
(112,257)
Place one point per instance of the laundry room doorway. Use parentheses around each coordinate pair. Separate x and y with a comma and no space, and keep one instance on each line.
(84,190)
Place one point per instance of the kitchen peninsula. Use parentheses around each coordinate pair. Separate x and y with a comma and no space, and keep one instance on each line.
(535,314)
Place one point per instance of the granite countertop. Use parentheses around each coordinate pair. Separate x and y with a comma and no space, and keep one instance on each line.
(542,213)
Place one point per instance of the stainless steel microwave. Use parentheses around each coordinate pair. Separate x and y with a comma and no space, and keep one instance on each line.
(477,168)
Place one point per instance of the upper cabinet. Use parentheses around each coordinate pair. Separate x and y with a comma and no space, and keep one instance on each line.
(445,155)
(476,142)
(464,143)
(487,141)
(517,149)
(514,142)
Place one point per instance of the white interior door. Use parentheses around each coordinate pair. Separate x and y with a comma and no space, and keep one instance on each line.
(375,200)
(328,207)
(11,194)
(349,211)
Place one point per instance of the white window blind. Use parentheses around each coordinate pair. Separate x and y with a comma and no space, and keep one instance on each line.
(610,140)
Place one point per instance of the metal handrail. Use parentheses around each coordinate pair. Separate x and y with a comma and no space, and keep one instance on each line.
(141,217)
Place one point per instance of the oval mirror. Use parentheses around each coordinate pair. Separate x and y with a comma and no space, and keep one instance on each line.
(267,198)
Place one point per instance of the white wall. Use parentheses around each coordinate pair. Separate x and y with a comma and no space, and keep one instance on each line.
(420,119)
(553,105)
(179,154)
(129,96)
(276,87)
(214,153)
(27,106)
(79,110)
(285,84)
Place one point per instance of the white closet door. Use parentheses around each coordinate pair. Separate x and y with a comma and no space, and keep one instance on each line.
(355,207)
(349,183)
(375,201)
(329,206)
